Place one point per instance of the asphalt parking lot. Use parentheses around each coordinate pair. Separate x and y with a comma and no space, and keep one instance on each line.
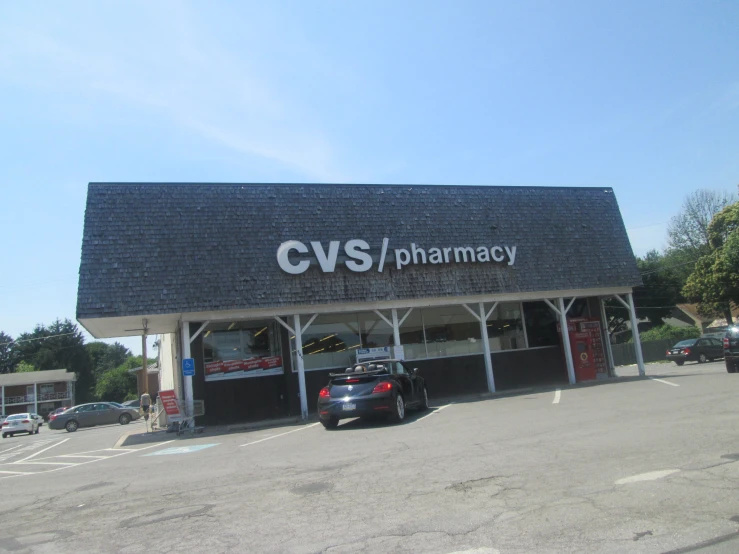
(648,465)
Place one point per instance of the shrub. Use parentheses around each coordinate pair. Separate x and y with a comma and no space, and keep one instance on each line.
(669,332)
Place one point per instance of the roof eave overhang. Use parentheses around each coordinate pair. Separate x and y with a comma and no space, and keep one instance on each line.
(129,326)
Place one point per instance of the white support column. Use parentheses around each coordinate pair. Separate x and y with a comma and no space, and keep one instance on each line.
(3,393)
(486,348)
(635,335)
(566,339)
(396,329)
(35,398)
(189,404)
(606,337)
(301,370)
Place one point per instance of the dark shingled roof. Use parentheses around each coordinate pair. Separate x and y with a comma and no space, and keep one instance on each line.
(172,248)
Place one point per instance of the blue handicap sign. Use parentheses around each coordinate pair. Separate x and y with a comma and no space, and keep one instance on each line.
(181,449)
(188,367)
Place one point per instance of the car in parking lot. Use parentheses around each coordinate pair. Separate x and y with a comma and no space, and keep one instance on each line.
(731,349)
(382,387)
(700,350)
(56,412)
(89,415)
(20,423)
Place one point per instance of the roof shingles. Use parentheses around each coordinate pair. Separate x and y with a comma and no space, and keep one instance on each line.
(171,248)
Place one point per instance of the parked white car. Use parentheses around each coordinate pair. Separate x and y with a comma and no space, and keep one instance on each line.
(20,423)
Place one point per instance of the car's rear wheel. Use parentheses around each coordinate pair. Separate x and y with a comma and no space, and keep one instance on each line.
(702,359)
(330,423)
(425,399)
(679,362)
(125,419)
(399,410)
(38,429)
(5,435)
(71,426)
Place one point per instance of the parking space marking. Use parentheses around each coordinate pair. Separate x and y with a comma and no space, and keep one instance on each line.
(557,396)
(281,434)
(665,382)
(651,476)
(41,451)
(434,411)
(11,448)
(68,465)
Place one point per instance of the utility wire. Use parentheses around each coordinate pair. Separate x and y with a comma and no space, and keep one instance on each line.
(38,338)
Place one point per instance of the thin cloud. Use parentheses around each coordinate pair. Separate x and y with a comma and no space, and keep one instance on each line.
(196,85)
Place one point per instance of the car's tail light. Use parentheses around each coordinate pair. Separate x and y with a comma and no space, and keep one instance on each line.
(324,393)
(4,424)
(385,386)
(352,381)
(26,421)
(726,343)
(686,351)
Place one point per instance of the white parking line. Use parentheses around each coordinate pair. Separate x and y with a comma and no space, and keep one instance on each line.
(665,382)
(12,448)
(68,465)
(435,411)
(651,476)
(281,434)
(557,396)
(40,451)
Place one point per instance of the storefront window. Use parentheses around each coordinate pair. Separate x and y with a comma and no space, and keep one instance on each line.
(505,327)
(412,335)
(541,324)
(375,331)
(451,331)
(331,341)
(238,349)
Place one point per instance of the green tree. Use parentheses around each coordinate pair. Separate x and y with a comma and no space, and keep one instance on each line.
(715,279)
(116,384)
(8,354)
(59,346)
(688,230)
(24,367)
(106,356)
(655,299)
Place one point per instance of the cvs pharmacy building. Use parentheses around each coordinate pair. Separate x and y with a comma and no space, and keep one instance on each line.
(272,287)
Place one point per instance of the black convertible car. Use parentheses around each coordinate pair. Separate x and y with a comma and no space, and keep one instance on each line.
(370,389)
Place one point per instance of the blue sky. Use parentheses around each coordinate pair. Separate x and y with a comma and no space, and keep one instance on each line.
(642,96)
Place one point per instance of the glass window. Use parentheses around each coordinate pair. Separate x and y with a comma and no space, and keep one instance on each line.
(331,341)
(541,324)
(101,407)
(451,331)
(412,335)
(237,349)
(374,330)
(505,327)
(46,388)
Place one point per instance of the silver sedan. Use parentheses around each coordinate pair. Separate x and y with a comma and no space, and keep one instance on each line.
(97,413)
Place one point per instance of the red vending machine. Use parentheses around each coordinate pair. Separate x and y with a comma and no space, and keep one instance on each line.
(586,345)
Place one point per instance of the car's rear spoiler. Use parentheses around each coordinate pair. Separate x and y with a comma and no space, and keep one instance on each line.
(358,373)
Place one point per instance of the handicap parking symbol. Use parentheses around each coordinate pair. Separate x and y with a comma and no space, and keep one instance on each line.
(181,449)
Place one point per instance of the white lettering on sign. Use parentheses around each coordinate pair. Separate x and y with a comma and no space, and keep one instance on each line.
(359,257)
